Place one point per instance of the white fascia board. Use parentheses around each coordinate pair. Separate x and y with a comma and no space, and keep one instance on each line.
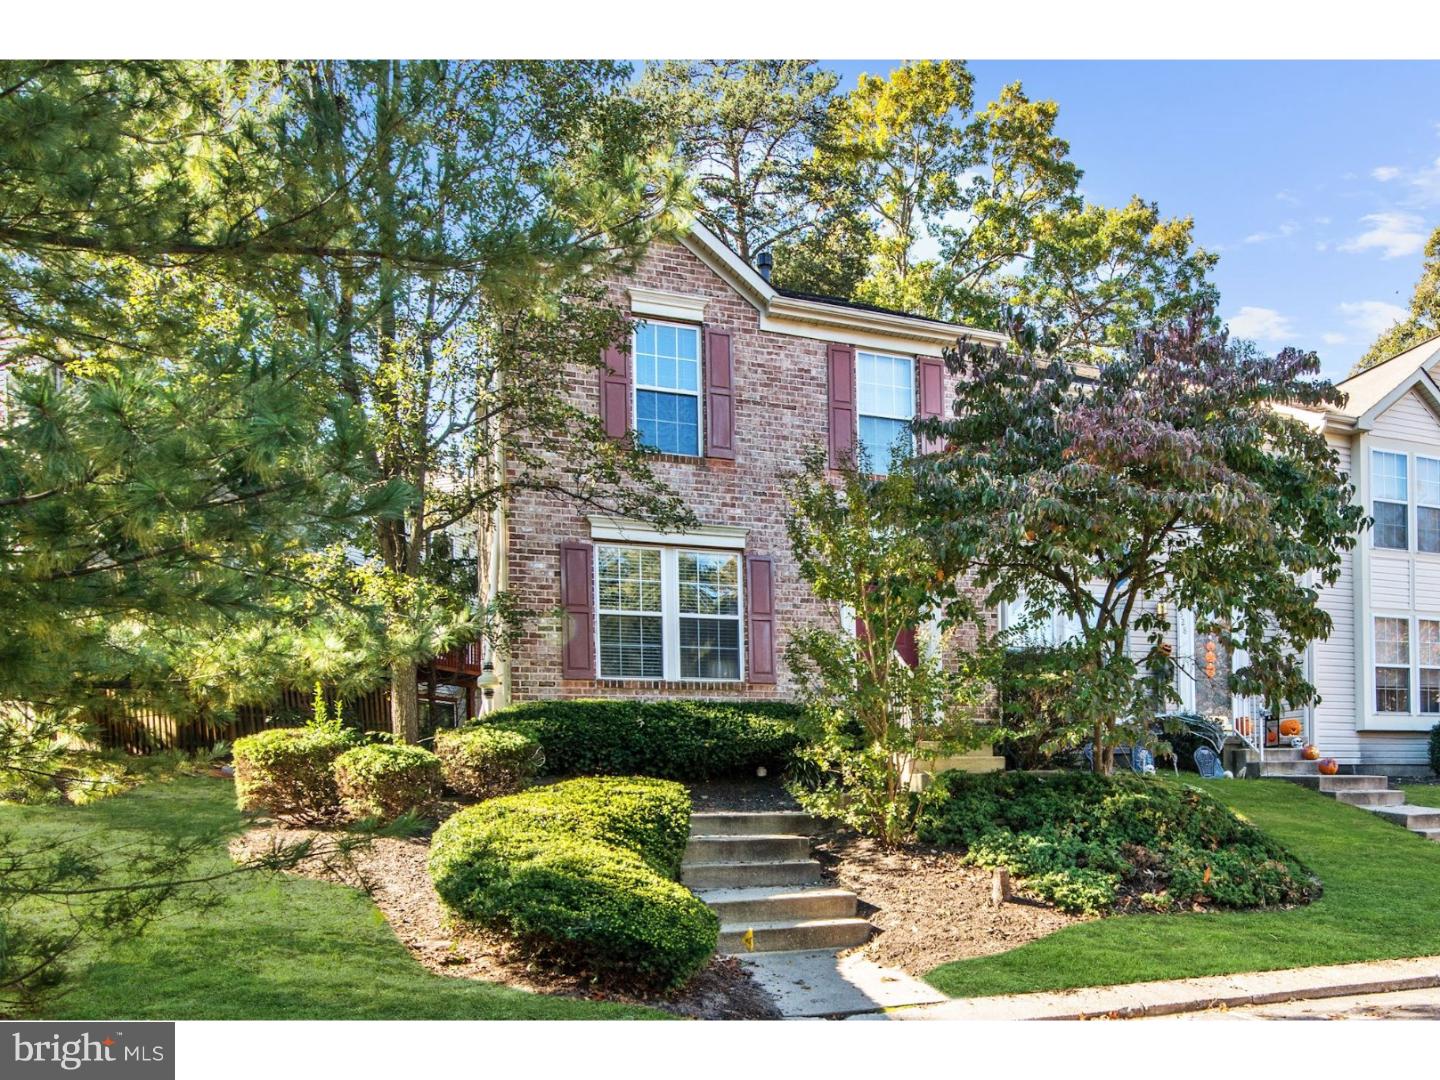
(629,531)
(827,322)
(1420,378)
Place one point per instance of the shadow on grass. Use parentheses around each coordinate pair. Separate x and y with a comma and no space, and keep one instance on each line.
(1381,901)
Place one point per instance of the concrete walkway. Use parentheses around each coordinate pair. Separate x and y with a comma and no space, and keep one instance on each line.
(816,983)
(1186,995)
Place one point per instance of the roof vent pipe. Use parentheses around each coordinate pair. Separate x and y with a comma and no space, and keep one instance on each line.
(763,262)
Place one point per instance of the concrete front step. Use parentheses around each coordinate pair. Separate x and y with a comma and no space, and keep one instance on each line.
(760,823)
(739,875)
(1286,769)
(1415,818)
(1348,782)
(1428,834)
(779,903)
(793,935)
(1369,799)
(746,847)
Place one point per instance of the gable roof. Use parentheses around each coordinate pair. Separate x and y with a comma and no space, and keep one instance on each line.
(1367,389)
(807,315)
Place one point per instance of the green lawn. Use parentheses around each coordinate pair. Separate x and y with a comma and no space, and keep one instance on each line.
(1422,794)
(1382,900)
(277,948)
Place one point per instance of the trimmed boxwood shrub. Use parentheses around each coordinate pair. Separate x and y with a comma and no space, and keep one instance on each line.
(679,739)
(289,772)
(385,780)
(487,761)
(581,873)
(1435,749)
(1092,843)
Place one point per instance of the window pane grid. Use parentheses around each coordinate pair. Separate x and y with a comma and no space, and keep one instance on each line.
(1392,665)
(630,604)
(667,387)
(886,386)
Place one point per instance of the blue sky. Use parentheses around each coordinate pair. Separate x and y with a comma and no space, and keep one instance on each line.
(1317,183)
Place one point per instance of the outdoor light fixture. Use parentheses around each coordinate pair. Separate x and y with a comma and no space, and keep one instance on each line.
(487,681)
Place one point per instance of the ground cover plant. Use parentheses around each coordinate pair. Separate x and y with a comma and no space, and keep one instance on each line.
(271,946)
(582,874)
(1380,884)
(1092,844)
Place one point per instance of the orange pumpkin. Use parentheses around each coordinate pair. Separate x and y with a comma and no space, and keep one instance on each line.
(1290,727)
(1311,753)
(1329,766)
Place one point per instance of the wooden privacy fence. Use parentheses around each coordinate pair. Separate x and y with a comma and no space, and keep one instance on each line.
(130,723)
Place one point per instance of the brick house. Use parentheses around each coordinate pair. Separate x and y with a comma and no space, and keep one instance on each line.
(734,381)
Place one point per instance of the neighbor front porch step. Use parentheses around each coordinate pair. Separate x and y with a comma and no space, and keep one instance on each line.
(1370,799)
(779,903)
(746,847)
(759,823)
(1428,834)
(736,875)
(1286,769)
(1414,818)
(790,936)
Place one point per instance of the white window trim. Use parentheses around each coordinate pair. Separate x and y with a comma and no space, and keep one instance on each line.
(697,393)
(1413,619)
(910,360)
(670,613)
(607,527)
(667,305)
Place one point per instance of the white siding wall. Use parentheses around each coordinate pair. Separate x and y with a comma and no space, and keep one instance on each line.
(1396,583)
(1334,658)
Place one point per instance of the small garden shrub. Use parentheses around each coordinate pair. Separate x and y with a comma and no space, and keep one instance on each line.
(680,739)
(1435,749)
(386,780)
(1036,688)
(484,762)
(582,873)
(1090,844)
(289,772)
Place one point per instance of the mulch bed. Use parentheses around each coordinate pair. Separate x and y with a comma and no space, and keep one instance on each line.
(930,908)
(393,872)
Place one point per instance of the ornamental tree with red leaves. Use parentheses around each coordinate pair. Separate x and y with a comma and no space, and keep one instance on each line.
(1180,472)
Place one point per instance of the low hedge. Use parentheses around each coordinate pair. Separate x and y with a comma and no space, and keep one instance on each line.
(289,772)
(681,739)
(484,762)
(1092,843)
(581,873)
(386,780)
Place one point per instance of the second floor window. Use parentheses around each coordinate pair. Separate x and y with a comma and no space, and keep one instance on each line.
(886,405)
(1427,504)
(1391,477)
(667,387)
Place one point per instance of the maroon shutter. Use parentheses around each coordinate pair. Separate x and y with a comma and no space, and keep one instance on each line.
(760,615)
(842,404)
(719,396)
(615,393)
(577,660)
(907,647)
(932,396)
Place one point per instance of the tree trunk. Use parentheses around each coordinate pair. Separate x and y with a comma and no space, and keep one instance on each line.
(405,701)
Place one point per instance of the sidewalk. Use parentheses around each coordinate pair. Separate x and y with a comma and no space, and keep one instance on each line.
(1185,995)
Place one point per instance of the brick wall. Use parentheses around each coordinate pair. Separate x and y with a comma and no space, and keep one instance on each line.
(780,414)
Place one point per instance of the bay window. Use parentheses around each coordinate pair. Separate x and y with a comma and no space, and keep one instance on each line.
(885,403)
(668,613)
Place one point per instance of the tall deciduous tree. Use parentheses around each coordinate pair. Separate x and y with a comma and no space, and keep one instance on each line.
(747,129)
(1422,323)
(1171,474)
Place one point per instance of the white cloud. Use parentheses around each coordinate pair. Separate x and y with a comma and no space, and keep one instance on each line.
(1372,317)
(1384,173)
(1393,234)
(1287,196)
(1260,324)
(1286,229)
(1330,337)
